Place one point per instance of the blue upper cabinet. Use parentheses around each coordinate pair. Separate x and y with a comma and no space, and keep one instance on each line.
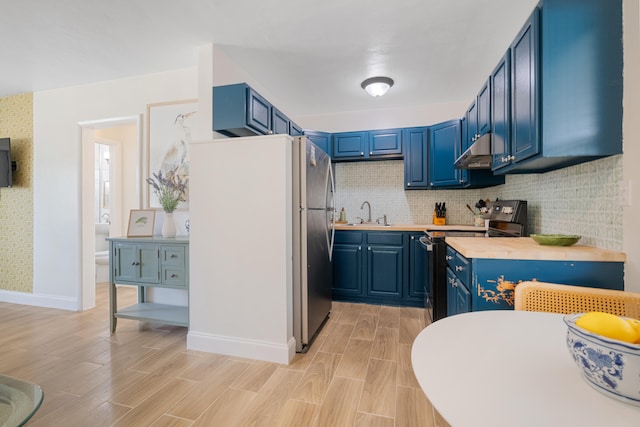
(484,109)
(444,149)
(238,110)
(525,140)
(259,113)
(385,144)
(295,129)
(279,122)
(349,145)
(471,123)
(445,146)
(321,139)
(478,117)
(416,158)
(501,113)
(566,86)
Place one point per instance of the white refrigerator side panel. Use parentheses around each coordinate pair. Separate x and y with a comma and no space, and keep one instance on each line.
(299,244)
(241,263)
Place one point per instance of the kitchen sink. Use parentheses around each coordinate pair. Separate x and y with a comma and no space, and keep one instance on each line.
(369,224)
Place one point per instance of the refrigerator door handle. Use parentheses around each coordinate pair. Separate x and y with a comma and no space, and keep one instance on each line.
(331,210)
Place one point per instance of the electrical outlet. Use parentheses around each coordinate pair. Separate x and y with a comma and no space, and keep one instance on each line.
(624,193)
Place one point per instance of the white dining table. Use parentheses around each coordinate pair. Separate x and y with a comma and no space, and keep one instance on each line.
(509,368)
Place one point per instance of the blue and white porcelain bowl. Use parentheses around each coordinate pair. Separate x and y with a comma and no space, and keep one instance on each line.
(610,366)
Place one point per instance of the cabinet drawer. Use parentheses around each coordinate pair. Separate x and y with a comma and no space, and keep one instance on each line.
(451,258)
(463,269)
(172,256)
(174,276)
(348,237)
(385,238)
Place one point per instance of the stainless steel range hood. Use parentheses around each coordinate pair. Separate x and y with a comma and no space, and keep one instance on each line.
(478,156)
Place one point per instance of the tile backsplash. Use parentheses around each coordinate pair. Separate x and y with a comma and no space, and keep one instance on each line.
(580,199)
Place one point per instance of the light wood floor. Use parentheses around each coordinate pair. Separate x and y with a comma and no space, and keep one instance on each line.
(357,373)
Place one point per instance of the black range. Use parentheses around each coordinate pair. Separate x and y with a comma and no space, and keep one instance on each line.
(507,218)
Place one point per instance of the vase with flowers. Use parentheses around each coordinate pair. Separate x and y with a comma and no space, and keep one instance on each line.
(171,189)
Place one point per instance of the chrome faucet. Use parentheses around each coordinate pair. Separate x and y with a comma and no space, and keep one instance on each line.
(384,218)
(369,205)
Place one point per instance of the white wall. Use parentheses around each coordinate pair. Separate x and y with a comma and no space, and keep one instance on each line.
(241,248)
(57,169)
(419,115)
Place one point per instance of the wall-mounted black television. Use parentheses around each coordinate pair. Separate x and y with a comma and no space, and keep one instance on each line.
(6,173)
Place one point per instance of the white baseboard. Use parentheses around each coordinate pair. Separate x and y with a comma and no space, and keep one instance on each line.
(39,300)
(233,346)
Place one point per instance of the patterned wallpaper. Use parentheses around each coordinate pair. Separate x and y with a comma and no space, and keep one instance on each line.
(16,203)
(580,199)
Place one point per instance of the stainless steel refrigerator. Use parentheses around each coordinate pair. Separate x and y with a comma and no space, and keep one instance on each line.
(313,233)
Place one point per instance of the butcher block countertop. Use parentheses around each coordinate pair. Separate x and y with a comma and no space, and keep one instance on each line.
(527,248)
(408,227)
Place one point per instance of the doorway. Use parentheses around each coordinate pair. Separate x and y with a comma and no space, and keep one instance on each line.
(110,188)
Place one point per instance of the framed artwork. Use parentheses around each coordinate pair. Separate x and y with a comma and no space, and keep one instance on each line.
(141,222)
(168,138)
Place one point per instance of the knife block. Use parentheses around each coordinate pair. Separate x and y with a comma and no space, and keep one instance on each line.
(439,220)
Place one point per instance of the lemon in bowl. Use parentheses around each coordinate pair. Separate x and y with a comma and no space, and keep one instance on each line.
(606,353)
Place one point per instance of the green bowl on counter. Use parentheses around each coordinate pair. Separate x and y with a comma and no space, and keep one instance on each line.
(556,239)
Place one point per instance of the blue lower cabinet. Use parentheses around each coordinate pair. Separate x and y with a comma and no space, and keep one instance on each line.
(451,293)
(458,296)
(378,267)
(492,282)
(386,264)
(458,282)
(418,267)
(348,266)
(463,299)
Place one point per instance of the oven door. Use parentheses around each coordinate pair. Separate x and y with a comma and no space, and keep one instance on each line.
(427,244)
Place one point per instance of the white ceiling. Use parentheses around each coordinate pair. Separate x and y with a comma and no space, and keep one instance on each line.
(437,51)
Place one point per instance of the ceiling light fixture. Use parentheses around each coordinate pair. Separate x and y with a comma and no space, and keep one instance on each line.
(377,86)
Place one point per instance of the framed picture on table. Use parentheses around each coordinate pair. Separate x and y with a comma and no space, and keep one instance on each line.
(141,222)
(168,137)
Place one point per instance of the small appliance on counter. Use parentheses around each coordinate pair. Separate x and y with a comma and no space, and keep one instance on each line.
(506,218)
